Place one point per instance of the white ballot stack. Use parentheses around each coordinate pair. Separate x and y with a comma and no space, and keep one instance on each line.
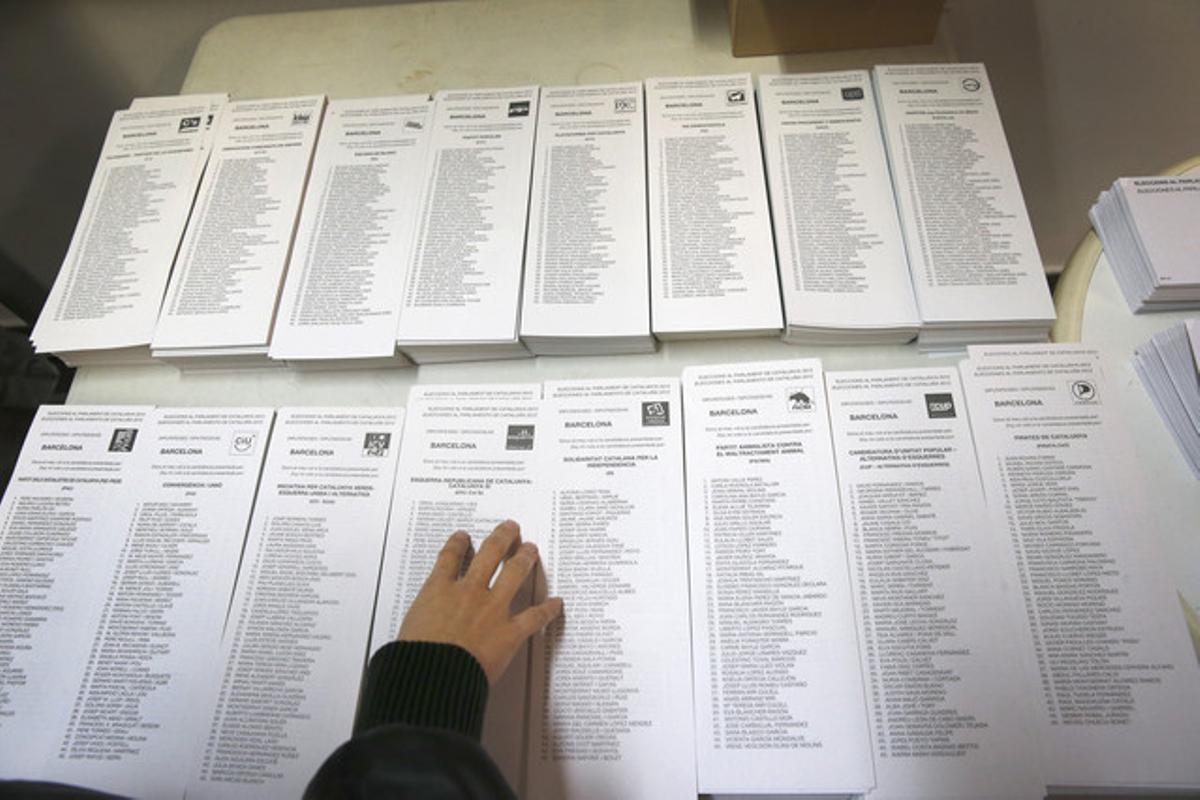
(104,304)
(1148,227)
(712,261)
(1169,366)
(220,303)
(975,266)
(842,265)
(586,258)
(462,291)
(341,297)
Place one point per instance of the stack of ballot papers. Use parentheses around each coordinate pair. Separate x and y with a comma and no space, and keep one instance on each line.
(913,584)
(974,263)
(842,264)
(220,303)
(1169,366)
(1148,227)
(586,260)
(341,298)
(462,291)
(104,304)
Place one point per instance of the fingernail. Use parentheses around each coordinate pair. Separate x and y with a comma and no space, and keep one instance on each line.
(508,523)
(531,547)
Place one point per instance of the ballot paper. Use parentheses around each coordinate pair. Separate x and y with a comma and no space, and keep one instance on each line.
(1148,229)
(341,299)
(586,260)
(1169,366)
(610,688)
(1118,685)
(712,262)
(134,719)
(975,266)
(61,522)
(462,290)
(946,690)
(842,264)
(467,463)
(104,304)
(296,639)
(779,695)
(220,303)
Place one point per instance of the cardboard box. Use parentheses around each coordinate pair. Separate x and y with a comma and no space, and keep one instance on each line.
(770,27)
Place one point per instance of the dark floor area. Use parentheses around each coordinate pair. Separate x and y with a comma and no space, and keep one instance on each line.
(27,381)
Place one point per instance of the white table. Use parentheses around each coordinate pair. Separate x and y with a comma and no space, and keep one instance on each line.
(422,47)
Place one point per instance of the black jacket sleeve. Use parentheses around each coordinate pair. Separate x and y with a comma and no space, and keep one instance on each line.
(417,731)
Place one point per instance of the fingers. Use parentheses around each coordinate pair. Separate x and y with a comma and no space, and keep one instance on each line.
(516,570)
(495,548)
(534,618)
(449,561)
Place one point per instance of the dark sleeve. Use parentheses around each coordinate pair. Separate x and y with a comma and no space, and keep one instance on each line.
(417,731)
(424,684)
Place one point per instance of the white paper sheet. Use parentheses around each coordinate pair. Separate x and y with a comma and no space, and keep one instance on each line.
(779,696)
(110,286)
(842,264)
(610,692)
(61,533)
(712,261)
(296,641)
(341,298)
(1118,701)
(970,245)
(464,277)
(946,690)
(587,270)
(135,717)
(231,264)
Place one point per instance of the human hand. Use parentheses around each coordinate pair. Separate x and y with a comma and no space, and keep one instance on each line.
(462,610)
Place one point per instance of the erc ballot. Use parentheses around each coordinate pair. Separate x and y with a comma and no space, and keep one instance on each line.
(462,290)
(296,639)
(842,265)
(105,301)
(974,262)
(466,463)
(1115,681)
(779,696)
(948,706)
(341,297)
(220,304)
(586,272)
(712,261)
(122,532)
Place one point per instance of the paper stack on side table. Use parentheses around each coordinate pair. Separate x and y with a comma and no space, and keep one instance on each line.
(1148,229)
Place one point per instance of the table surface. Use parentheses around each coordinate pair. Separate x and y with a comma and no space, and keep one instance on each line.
(422,47)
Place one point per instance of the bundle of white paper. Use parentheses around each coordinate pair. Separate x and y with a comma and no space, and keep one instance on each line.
(220,304)
(586,259)
(842,264)
(1169,366)
(610,711)
(140,518)
(972,256)
(341,299)
(462,292)
(296,640)
(779,696)
(1105,643)
(1149,232)
(104,304)
(467,463)
(712,261)
(946,690)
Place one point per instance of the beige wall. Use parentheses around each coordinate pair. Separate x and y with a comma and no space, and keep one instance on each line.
(1089,90)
